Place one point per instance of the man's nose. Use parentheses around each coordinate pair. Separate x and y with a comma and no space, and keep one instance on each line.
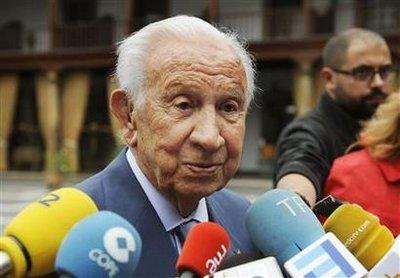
(207,132)
(377,80)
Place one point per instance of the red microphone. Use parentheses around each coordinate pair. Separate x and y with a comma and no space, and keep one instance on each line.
(205,247)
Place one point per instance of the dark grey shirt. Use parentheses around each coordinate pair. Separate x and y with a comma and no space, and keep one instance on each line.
(311,143)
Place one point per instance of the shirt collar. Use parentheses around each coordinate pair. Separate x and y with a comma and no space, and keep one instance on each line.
(167,213)
(390,169)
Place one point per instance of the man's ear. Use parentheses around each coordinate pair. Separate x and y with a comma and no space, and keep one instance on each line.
(330,79)
(122,109)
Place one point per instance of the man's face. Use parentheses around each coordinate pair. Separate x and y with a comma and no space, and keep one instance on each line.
(361,98)
(190,132)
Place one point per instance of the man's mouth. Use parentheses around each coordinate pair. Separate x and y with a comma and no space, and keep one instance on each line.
(203,167)
(375,98)
(376,101)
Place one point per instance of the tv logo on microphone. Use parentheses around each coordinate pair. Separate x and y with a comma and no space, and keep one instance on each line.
(357,233)
(213,263)
(119,243)
(327,257)
(293,204)
(104,261)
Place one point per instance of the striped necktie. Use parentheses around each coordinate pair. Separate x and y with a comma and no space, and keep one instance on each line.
(183,229)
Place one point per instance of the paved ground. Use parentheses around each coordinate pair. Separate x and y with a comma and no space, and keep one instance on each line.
(18,189)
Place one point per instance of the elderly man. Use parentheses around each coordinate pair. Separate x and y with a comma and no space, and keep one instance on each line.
(184,92)
(359,75)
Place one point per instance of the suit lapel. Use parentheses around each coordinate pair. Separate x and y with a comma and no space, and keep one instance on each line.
(158,252)
(218,214)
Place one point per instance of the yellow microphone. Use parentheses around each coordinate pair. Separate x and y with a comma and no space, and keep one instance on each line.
(361,232)
(30,242)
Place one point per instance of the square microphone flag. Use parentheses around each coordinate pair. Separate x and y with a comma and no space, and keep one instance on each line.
(326,257)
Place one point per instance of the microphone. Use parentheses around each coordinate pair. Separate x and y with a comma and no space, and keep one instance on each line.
(327,206)
(283,226)
(31,240)
(101,245)
(389,265)
(266,267)
(327,257)
(361,232)
(205,247)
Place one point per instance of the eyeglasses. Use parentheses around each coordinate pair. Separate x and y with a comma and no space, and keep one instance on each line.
(367,73)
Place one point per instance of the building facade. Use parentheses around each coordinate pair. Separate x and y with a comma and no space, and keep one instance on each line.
(57,60)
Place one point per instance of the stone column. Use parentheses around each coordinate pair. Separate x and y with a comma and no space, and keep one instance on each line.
(47,92)
(8,99)
(303,87)
(74,102)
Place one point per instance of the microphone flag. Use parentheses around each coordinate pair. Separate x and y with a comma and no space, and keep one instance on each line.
(326,257)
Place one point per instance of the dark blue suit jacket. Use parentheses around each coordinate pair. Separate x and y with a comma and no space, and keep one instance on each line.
(116,189)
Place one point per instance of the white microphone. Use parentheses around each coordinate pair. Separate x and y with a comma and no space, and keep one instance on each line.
(263,268)
(389,265)
(326,257)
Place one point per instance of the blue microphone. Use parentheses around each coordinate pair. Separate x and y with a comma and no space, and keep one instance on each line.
(101,245)
(282,225)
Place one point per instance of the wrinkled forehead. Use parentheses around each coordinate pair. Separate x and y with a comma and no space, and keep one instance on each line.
(191,49)
(178,58)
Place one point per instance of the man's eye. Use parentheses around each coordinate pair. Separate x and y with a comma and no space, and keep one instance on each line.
(184,105)
(386,71)
(363,72)
(229,107)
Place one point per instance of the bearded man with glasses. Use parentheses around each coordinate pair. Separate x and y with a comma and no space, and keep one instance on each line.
(359,75)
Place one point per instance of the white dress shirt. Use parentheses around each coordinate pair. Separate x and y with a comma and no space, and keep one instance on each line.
(168,214)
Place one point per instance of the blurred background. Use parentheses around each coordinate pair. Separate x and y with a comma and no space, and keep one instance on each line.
(57,60)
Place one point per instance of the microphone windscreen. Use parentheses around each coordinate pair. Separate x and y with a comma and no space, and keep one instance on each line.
(239,259)
(205,247)
(361,232)
(101,245)
(281,224)
(40,228)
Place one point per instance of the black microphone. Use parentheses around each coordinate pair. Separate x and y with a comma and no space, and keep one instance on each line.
(326,206)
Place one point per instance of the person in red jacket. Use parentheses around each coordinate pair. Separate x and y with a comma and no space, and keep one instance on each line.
(370,177)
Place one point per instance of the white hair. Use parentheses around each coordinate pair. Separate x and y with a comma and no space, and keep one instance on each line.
(133,51)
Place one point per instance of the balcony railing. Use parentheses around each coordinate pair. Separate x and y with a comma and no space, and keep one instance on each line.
(98,33)
(248,25)
(382,16)
(16,37)
(256,25)
(288,22)
(11,36)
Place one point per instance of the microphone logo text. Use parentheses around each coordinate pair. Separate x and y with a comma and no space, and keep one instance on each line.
(104,261)
(48,199)
(357,233)
(293,204)
(213,263)
(119,242)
